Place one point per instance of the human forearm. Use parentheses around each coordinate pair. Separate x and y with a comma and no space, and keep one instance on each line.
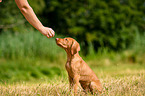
(29,14)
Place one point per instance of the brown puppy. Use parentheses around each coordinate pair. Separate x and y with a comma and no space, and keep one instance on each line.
(78,70)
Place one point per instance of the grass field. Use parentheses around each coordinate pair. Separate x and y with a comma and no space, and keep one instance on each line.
(31,65)
(116,81)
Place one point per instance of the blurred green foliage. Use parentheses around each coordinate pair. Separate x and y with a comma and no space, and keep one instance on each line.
(104,23)
(28,45)
(110,24)
(30,56)
(102,26)
(26,70)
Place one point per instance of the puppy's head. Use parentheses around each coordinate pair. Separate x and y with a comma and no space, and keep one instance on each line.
(69,44)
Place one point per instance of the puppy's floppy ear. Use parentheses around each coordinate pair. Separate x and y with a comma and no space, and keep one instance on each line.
(75,47)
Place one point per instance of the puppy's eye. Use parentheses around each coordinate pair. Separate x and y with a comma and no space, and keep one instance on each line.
(66,39)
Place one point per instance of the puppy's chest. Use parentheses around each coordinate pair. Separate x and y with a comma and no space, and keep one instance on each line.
(70,69)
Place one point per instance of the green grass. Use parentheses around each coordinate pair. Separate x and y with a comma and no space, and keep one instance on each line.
(116,81)
(31,64)
(28,70)
(38,69)
(29,56)
(28,45)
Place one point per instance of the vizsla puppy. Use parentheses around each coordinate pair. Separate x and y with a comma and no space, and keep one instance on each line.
(78,70)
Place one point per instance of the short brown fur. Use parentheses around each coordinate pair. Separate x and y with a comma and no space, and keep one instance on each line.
(78,70)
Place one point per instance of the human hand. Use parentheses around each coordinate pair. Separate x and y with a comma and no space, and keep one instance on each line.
(48,32)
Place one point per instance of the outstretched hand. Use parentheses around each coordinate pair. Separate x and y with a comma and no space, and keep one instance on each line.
(48,32)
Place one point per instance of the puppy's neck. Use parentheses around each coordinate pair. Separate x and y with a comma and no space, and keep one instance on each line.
(70,56)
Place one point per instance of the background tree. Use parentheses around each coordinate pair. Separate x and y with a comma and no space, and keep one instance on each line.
(110,24)
(104,23)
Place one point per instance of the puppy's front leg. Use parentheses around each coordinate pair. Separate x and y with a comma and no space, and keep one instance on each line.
(76,83)
(71,84)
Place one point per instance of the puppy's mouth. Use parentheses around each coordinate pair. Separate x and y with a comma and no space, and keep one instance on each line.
(59,44)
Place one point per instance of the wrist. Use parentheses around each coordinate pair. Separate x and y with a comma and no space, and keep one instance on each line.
(40,28)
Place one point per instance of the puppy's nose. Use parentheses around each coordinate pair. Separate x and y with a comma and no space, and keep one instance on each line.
(56,39)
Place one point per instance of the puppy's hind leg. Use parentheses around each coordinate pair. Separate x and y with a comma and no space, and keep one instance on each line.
(95,87)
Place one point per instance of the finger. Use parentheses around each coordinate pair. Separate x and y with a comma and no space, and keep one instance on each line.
(49,33)
(52,32)
(48,36)
(52,35)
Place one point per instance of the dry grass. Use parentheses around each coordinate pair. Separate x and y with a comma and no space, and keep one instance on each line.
(127,85)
